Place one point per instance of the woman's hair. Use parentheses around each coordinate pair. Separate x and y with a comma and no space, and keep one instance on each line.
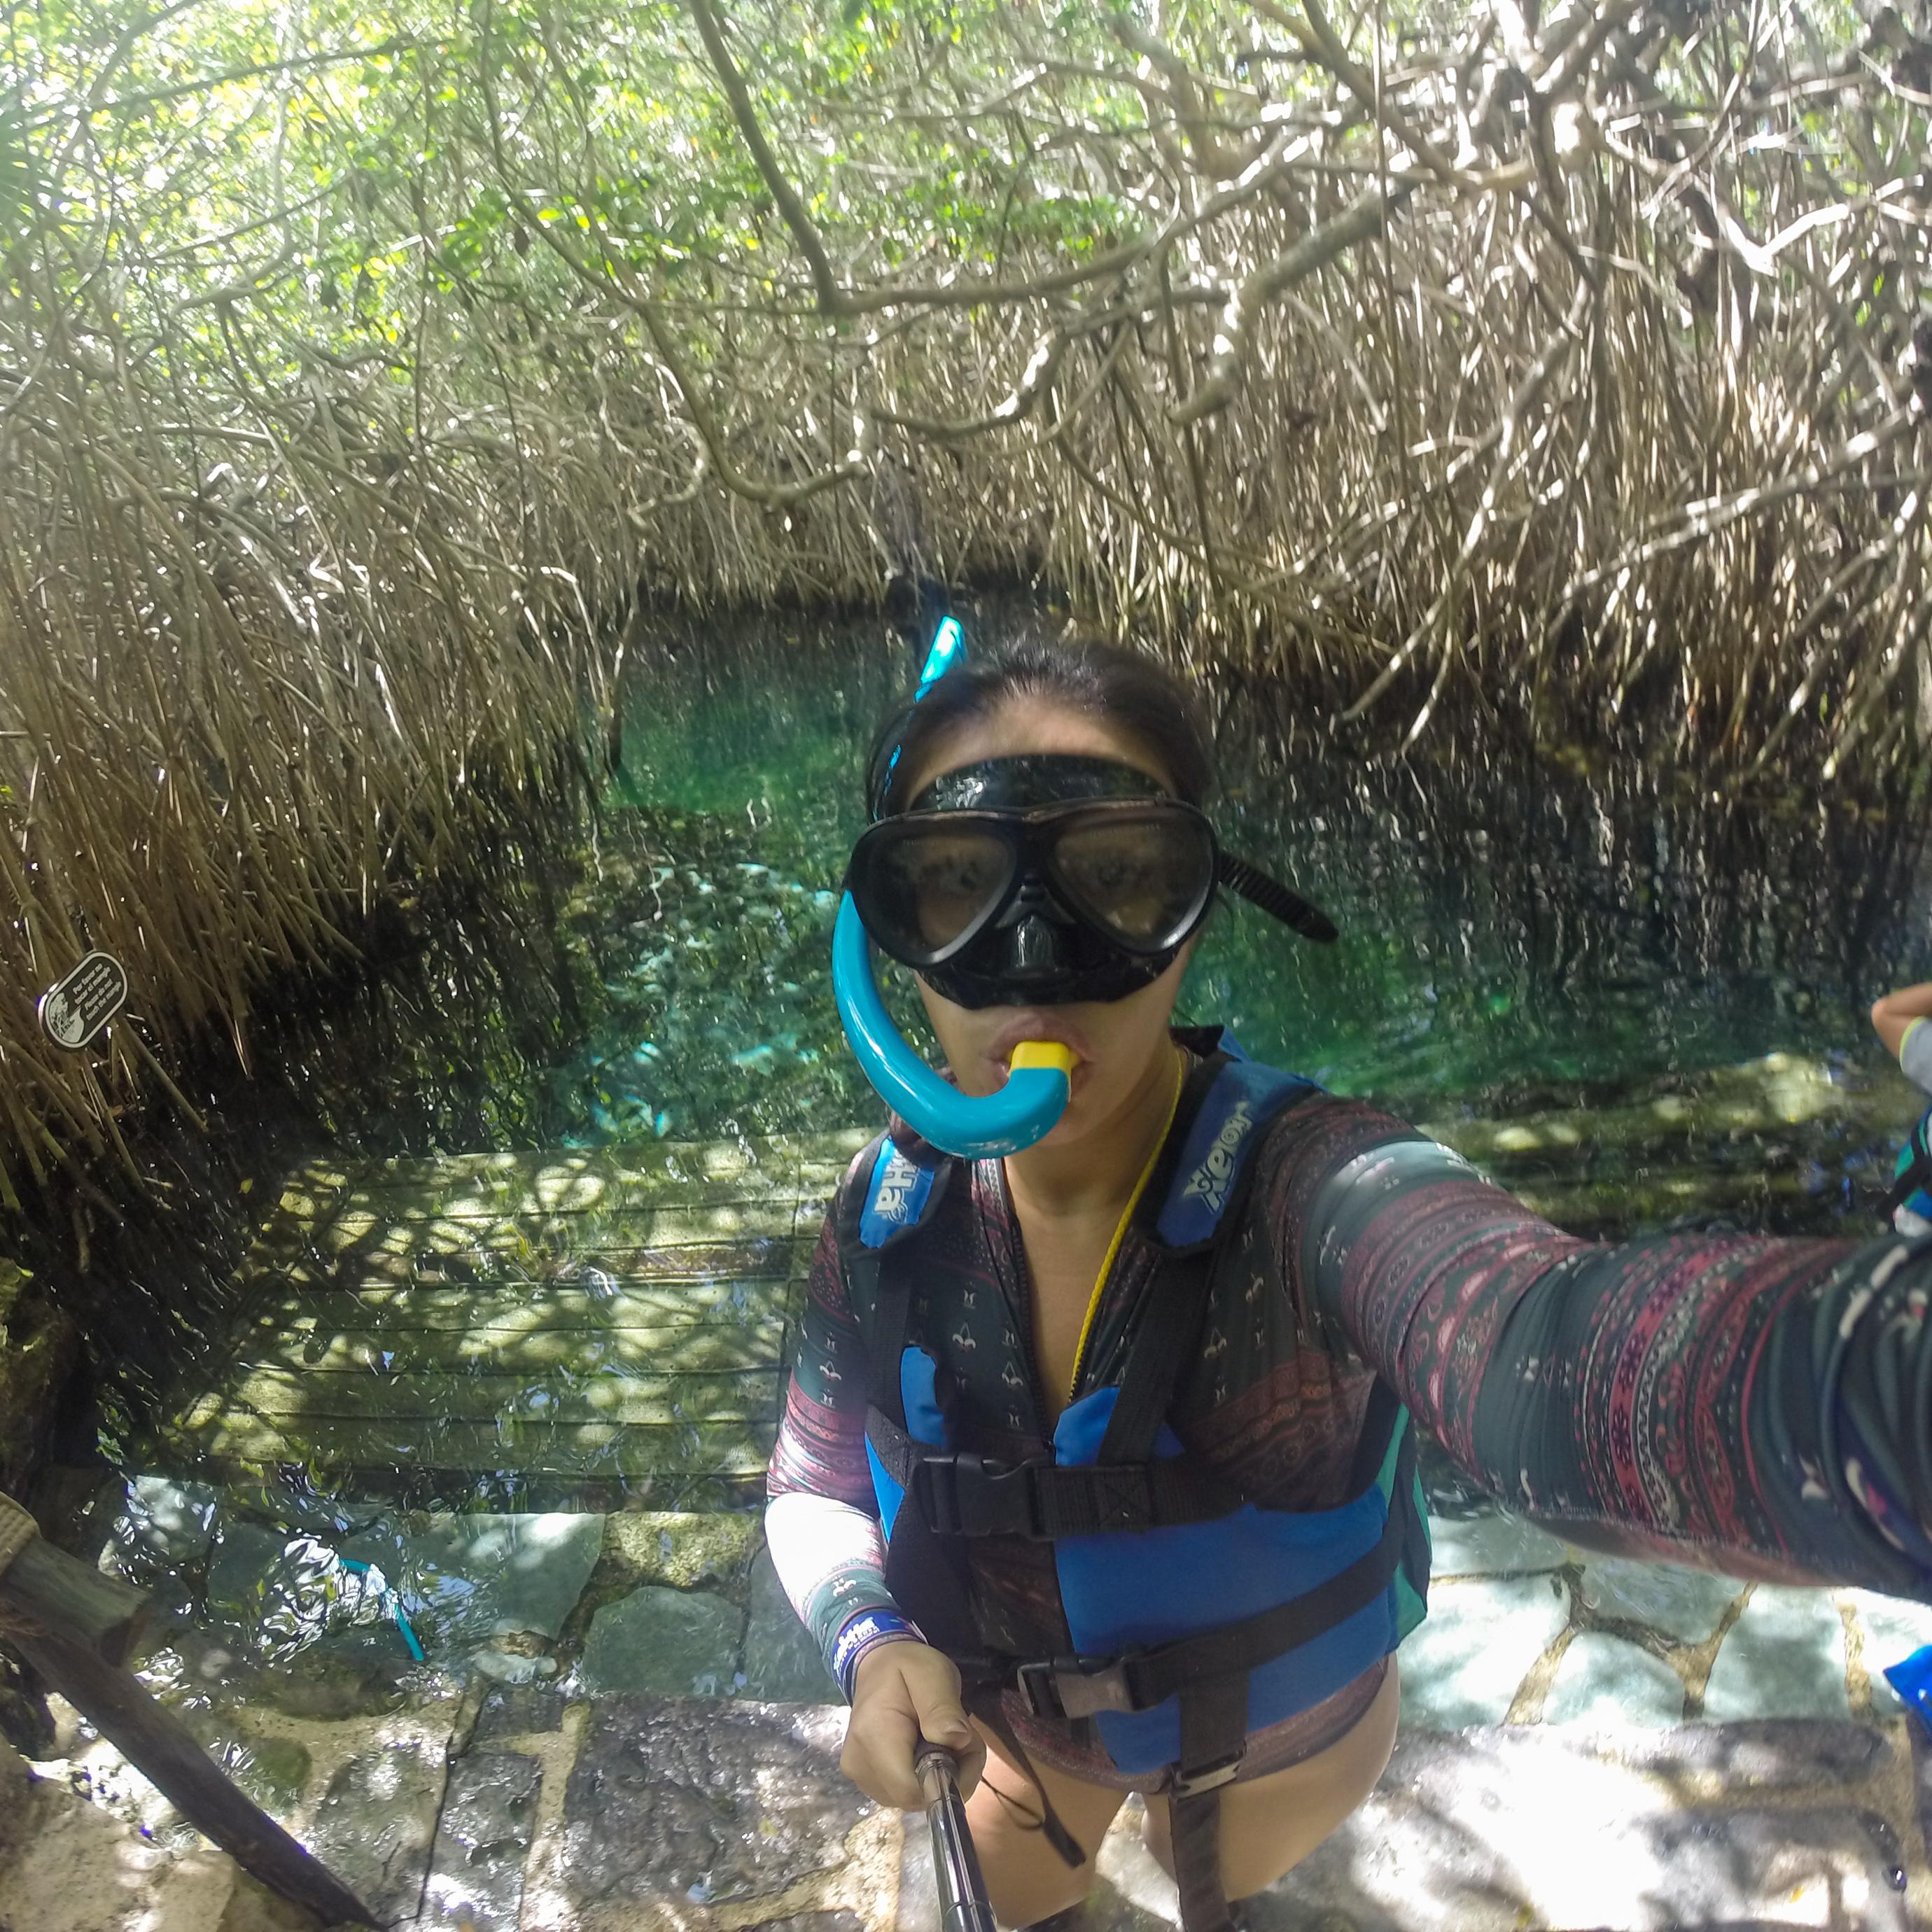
(1085,674)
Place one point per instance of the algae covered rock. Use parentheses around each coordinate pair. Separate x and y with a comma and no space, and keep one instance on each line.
(685,1549)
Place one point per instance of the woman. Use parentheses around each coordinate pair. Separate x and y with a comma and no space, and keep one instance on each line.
(1134,1403)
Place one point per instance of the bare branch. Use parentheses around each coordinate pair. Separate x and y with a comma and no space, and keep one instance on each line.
(1363,217)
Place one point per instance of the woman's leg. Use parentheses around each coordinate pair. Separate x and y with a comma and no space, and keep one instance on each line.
(1269,1826)
(1026,1878)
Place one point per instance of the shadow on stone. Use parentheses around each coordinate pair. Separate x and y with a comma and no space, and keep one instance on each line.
(675,1803)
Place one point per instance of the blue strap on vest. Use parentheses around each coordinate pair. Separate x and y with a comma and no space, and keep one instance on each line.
(1246,1096)
(898,1196)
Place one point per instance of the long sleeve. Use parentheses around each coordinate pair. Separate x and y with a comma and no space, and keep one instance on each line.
(822,1524)
(1754,1405)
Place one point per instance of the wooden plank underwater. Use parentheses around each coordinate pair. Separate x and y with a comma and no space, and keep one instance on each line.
(308,1269)
(575,1181)
(294,1399)
(518,1349)
(523,1307)
(366,1230)
(564,1320)
(386,1453)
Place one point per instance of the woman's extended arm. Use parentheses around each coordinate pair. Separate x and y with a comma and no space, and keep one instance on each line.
(822,1525)
(1755,1405)
(829,1553)
(1899,1013)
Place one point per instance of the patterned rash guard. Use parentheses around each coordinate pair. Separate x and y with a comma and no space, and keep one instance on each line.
(1761,1407)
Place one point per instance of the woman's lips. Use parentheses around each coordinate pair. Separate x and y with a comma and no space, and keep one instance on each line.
(1038,1023)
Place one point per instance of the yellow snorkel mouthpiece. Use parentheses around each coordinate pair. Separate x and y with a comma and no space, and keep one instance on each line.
(1052,1054)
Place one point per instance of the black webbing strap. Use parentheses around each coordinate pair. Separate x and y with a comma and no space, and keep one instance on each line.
(1073,1687)
(1167,1341)
(961,1494)
(982,1699)
(1194,1824)
(1213,1736)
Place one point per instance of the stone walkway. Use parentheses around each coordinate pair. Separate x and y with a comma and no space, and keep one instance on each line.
(617,1722)
(1585,1744)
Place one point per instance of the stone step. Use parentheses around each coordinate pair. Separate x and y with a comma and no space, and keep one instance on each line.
(1784,1098)
(595,1791)
(1627,1202)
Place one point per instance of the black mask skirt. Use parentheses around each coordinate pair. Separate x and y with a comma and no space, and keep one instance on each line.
(1037,880)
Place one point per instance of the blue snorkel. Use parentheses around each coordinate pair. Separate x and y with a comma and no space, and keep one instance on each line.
(1024,1110)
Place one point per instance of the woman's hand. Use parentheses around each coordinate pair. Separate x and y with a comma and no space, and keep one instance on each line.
(904,1692)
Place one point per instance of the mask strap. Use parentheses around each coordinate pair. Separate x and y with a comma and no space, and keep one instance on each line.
(1275,899)
(949,646)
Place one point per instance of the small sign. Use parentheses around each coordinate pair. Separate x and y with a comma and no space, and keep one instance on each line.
(75,1008)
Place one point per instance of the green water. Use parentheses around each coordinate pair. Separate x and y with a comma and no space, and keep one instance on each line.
(1511,928)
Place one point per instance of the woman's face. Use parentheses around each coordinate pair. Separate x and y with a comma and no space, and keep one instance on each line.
(1118,1046)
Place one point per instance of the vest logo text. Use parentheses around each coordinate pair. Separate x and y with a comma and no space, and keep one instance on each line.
(892,1196)
(1210,1182)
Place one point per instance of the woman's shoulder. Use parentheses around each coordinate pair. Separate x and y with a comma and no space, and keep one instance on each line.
(1320,1132)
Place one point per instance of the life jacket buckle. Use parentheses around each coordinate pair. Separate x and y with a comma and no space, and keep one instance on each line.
(1207,1777)
(962,1494)
(1074,1687)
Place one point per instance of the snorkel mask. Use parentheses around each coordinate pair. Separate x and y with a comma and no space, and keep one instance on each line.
(1037,880)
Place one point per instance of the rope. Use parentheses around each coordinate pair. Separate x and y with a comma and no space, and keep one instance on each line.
(17,1529)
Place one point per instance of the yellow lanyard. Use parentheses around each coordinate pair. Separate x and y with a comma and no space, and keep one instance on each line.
(1120,1227)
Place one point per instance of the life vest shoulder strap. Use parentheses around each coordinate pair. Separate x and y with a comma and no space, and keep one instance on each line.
(888,1199)
(899,1197)
(1210,1165)
(1203,1194)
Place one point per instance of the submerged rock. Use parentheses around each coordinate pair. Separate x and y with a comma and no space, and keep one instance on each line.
(476,1870)
(468,1578)
(663,1642)
(782,1665)
(377,1822)
(1783,1657)
(671,1805)
(165,1523)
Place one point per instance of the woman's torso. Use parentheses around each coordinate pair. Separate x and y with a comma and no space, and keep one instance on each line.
(1264,1403)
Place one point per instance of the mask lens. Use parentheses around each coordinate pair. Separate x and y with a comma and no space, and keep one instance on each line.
(1142,877)
(923,886)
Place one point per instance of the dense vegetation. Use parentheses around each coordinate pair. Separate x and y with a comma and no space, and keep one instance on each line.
(361,371)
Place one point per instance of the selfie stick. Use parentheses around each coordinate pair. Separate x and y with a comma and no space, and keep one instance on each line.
(963,1905)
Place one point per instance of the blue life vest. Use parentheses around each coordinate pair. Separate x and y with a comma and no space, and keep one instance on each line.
(1197,1616)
